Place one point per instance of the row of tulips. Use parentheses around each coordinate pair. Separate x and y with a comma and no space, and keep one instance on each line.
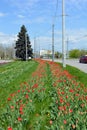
(69,107)
(22,104)
(51,100)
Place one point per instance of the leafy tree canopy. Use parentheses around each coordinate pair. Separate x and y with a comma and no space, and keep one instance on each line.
(76,53)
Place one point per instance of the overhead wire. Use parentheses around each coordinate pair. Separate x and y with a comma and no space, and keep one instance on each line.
(54,19)
(55,14)
(53,22)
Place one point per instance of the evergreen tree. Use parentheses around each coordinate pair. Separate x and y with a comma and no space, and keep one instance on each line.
(23,40)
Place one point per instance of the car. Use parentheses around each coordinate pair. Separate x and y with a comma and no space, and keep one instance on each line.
(83,59)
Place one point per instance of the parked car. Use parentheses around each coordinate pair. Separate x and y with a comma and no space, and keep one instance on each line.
(83,59)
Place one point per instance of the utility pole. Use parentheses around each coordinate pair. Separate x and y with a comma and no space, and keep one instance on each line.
(38,45)
(63,36)
(34,47)
(26,44)
(13,47)
(39,50)
(5,53)
(67,47)
(53,42)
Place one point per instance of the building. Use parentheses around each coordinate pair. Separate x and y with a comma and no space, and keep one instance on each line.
(45,53)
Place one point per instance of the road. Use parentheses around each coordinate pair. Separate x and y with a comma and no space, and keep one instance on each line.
(75,63)
(5,61)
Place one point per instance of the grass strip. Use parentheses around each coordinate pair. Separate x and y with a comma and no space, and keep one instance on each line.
(81,76)
(78,74)
(12,75)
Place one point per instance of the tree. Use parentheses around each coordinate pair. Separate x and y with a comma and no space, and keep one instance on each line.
(58,54)
(6,52)
(23,45)
(74,53)
(83,52)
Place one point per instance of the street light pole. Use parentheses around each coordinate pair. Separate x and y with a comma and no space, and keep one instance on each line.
(63,35)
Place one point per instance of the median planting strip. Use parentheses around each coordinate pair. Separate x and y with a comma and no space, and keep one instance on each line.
(11,75)
(51,100)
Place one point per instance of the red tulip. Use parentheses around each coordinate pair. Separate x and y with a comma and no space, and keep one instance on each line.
(10,128)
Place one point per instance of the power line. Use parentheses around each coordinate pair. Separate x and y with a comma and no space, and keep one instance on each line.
(53,31)
(55,15)
(52,27)
(77,39)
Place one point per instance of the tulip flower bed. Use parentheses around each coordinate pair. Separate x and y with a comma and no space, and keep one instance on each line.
(11,75)
(51,100)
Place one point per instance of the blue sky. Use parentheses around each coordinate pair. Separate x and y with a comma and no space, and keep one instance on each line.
(38,17)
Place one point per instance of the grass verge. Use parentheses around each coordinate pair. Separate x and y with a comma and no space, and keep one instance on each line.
(12,75)
(79,75)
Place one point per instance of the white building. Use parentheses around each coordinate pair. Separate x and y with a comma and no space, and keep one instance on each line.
(45,53)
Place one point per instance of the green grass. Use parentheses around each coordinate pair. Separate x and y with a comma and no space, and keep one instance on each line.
(44,105)
(79,75)
(12,75)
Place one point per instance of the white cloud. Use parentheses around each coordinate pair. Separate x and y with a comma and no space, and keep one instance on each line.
(25,9)
(6,39)
(40,19)
(2,14)
(45,42)
(22,4)
(28,11)
(26,20)
(77,38)
(77,4)
(20,16)
(77,34)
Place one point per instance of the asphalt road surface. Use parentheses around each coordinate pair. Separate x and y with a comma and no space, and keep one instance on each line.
(75,63)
